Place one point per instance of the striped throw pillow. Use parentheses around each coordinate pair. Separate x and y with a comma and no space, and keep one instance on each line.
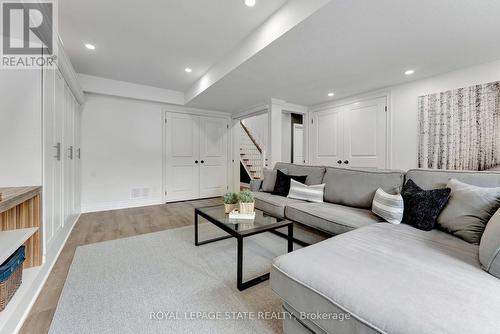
(387,206)
(301,191)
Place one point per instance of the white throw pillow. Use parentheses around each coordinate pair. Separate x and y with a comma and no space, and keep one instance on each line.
(313,193)
(387,206)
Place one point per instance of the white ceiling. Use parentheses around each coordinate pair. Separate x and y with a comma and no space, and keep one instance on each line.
(356,46)
(150,42)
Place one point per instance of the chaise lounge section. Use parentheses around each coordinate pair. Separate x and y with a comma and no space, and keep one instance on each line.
(376,277)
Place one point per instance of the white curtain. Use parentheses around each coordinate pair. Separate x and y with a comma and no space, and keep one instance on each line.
(459,129)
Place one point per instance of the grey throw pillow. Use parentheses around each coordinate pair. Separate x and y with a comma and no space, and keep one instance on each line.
(469,210)
(489,248)
(270,179)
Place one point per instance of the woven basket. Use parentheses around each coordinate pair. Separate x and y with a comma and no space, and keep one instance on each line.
(9,287)
(230,207)
(247,207)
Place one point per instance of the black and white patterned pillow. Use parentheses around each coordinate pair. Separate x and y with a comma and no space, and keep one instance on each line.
(422,207)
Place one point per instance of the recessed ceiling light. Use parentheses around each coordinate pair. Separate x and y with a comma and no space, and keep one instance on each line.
(189,70)
(249,3)
(409,72)
(331,94)
(90,46)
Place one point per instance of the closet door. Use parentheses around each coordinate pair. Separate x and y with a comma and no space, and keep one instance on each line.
(68,157)
(182,157)
(213,156)
(49,154)
(327,137)
(59,110)
(365,130)
(77,159)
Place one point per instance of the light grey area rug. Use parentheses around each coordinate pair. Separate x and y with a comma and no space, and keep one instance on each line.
(162,283)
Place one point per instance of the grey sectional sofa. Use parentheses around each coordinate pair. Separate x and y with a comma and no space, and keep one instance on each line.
(348,197)
(379,277)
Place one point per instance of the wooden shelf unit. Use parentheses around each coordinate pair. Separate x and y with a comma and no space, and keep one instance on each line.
(20,208)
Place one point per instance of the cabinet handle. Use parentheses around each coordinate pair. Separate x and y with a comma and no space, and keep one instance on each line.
(196,161)
(339,162)
(202,161)
(78,153)
(58,151)
(346,162)
(70,152)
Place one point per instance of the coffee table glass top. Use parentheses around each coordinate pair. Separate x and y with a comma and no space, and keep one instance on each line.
(262,221)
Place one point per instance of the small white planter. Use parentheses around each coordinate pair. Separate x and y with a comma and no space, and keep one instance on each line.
(247,207)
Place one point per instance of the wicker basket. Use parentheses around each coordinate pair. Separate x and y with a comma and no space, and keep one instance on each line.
(11,276)
(9,287)
(230,207)
(247,207)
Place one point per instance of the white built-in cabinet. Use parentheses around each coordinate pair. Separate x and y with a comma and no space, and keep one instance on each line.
(351,135)
(196,156)
(61,155)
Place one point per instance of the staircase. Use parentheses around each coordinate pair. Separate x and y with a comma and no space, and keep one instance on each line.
(251,155)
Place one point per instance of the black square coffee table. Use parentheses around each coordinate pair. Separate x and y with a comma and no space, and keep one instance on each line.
(240,229)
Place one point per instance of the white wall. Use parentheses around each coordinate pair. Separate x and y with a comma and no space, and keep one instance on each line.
(404,106)
(286,135)
(20,128)
(121,150)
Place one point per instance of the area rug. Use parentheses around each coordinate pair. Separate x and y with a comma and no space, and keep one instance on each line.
(162,283)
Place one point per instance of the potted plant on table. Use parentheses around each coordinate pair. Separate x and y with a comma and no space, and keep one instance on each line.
(247,202)
(230,202)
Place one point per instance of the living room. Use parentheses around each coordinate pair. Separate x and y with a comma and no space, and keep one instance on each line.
(283,166)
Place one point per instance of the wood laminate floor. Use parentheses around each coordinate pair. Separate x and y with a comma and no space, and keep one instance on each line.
(103,226)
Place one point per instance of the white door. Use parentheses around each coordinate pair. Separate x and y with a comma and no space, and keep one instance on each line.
(182,145)
(58,197)
(49,153)
(298,144)
(327,137)
(213,156)
(365,130)
(68,154)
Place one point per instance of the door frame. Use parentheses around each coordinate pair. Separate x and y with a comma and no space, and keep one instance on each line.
(360,98)
(194,112)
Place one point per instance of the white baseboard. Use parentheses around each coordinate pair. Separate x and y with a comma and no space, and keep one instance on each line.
(106,206)
(13,317)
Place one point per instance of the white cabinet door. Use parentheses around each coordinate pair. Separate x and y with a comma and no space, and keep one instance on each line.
(49,154)
(182,157)
(213,156)
(365,130)
(327,137)
(68,156)
(58,197)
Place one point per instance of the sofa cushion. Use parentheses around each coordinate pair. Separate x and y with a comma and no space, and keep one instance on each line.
(357,187)
(388,207)
(435,178)
(422,207)
(469,210)
(304,192)
(391,279)
(489,248)
(282,186)
(273,204)
(270,179)
(314,173)
(328,217)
